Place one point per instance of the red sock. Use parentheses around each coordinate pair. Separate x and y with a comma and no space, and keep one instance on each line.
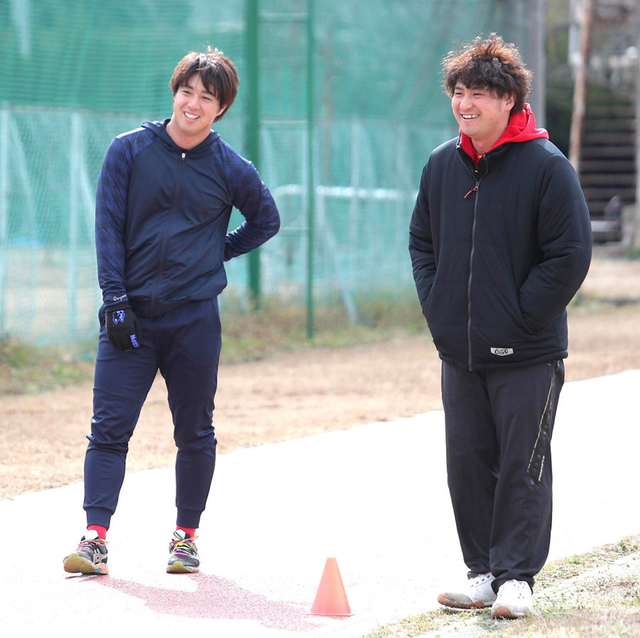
(102,531)
(189,531)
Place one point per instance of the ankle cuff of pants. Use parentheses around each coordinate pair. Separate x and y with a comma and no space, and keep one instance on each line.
(98,516)
(188,518)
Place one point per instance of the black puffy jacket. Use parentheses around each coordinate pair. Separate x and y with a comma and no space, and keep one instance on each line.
(499,252)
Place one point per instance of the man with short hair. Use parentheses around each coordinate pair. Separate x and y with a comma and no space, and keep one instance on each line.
(164,200)
(500,242)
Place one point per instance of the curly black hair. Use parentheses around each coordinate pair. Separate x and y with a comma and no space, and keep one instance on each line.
(490,63)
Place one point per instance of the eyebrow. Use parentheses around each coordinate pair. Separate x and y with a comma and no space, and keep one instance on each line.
(460,86)
(189,85)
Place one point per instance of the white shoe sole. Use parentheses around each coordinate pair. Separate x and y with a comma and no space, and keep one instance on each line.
(504,612)
(461,601)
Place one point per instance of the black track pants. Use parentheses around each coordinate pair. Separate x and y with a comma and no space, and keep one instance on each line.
(498,432)
(184,345)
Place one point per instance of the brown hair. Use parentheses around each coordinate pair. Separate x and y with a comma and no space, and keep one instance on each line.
(490,63)
(217,73)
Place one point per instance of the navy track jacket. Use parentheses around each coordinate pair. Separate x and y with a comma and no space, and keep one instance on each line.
(162,216)
(499,253)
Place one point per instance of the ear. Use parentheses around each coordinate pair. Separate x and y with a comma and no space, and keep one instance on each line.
(221,112)
(509,101)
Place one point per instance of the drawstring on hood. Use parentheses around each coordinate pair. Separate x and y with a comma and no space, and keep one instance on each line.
(521,128)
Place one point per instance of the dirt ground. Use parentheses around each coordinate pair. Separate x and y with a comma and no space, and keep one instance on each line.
(42,438)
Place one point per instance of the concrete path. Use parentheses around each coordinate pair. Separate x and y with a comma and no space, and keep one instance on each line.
(373,497)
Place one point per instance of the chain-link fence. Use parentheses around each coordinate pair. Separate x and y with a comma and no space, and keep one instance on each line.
(343,167)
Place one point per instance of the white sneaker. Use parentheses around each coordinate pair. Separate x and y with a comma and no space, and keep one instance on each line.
(479,596)
(514,600)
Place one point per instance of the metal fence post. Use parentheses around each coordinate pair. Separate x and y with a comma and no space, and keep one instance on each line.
(253,123)
(311,186)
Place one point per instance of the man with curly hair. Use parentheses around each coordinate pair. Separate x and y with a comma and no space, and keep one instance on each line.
(500,242)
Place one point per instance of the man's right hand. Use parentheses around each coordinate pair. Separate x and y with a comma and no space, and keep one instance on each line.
(123,328)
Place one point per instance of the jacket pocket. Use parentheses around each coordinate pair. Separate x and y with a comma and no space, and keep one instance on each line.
(446,315)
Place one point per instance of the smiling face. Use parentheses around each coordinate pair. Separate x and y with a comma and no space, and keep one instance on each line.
(194,111)
(481,114)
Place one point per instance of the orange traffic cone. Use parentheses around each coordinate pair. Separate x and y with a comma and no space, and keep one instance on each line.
(331,599)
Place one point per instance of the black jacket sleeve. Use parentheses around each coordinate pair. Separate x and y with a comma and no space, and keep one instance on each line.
(564,237)
(421,247)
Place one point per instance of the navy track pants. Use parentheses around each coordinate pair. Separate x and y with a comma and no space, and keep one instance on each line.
(184,345)
(498,427)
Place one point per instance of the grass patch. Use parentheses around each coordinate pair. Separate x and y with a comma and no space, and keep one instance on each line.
(248,334)
(566,605)
(593,304)
(581,563)
(27,368)
(630,254)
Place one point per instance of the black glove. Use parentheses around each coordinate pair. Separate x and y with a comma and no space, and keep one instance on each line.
(123,328)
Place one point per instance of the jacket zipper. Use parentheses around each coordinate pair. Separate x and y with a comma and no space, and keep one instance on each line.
(165,236)
(476,190)
(471,254)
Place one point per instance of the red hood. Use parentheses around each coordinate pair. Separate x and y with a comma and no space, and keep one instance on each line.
(521,128)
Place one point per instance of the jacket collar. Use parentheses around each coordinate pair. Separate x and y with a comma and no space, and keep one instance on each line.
(521,128)
(160,130)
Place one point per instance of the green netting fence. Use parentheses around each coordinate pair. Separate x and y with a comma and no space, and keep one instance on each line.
(343,166)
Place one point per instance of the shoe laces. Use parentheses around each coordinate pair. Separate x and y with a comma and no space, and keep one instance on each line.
(90,543)
(184,546)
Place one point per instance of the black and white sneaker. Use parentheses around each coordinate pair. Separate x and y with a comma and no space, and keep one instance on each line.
(184,554)
(90,557)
